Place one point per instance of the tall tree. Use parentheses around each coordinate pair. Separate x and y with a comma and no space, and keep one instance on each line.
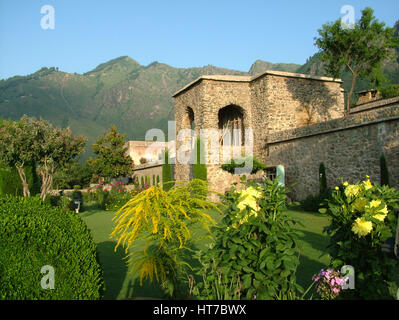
(111,160)
(56,148)
(361,48)
(18,147)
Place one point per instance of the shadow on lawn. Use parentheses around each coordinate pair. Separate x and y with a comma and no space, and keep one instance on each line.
(114,268)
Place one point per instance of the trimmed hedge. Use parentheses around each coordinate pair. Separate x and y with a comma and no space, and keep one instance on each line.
(34,235)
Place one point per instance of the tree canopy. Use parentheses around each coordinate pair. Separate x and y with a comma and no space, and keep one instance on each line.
(361,48)
(111,160)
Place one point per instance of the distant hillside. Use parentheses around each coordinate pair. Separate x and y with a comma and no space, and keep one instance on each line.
(123,92)
(260,66)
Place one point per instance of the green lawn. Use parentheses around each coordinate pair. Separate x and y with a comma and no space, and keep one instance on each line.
(120,284)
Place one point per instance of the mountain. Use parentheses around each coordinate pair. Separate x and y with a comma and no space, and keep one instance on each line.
(260,66)
(121,91)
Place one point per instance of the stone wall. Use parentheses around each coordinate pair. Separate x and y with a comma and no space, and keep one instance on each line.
(270,102)
(350,148)
(147,171)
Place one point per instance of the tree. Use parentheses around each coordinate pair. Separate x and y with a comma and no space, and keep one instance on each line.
(361,48)
(34,141)
(56,147)
(18,147)
(112,160)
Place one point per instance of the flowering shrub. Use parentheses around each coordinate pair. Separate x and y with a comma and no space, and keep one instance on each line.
(256,244)
(164,221)
(362,219)
(329,283)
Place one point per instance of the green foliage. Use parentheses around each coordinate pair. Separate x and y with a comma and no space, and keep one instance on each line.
(313,202)
(362,219)
(142,181)
(361,48)
(199,167)
(157,179)
(34,235)
(111,160)
(384,174)
(167,175)
(163,221)
(10,182)
(322,179)
(73,173)
(255,243)
(234,164)
(389,91)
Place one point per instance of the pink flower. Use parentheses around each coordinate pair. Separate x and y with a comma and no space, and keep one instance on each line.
(335,290)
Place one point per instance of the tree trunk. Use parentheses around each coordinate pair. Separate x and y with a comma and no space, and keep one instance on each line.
(25,184)
(47,181)
(348,103)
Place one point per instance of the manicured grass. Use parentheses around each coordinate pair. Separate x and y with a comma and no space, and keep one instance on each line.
(120,284)
(313,245)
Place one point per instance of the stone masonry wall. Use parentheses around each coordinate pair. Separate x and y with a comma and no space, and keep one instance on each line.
(284,103)
(270,103)
(350,148)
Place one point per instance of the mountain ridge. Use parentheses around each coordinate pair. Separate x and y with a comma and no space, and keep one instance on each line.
(123,92)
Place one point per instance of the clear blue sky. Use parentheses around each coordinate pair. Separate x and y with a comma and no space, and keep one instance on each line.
(181,33)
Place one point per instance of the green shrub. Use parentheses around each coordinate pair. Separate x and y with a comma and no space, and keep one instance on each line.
(167,175)
(199,167)
(34,235)
(389,91)
(255,244)
(257,165)
(362,219)
(322,179)
(142,181)
(384,174)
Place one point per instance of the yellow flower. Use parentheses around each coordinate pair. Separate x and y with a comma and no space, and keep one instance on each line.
(374,203)
(361,227)
(380,217)
(336,188)
(352,190)
(367,184)
(384,210)
(346,183)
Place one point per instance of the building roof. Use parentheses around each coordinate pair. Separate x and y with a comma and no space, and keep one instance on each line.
(234,78)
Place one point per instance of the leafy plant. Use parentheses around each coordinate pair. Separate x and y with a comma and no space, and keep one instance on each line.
(234,164)
(362,219)
(255,242)
(162,219)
